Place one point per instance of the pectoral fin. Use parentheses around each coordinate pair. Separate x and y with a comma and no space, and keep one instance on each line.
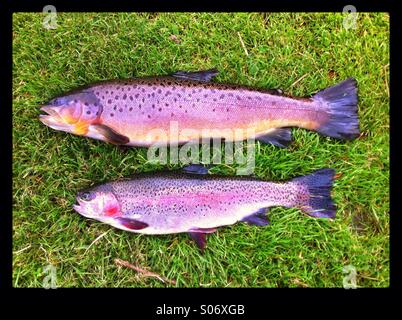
(204,75)
(110,134)
(132,224)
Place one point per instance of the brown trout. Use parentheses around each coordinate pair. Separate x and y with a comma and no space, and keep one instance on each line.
(195,202)
(187,107)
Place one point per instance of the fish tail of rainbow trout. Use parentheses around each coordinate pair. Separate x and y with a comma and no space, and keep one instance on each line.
(331,112)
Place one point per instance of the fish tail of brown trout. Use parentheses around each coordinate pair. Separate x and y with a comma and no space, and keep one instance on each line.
(314,193)
(340,103)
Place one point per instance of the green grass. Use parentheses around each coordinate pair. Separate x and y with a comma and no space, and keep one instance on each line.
(49,167)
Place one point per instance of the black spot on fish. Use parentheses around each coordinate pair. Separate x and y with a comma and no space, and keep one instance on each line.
(107,91)
(238,98)
(97,93)
(124,97)
(112,114)
(148,95)
(121,109)
(169,83)
(131,98)
(118,87)
(160,109)
(213,110)
(143,89)
(174,99)
(221,96)
(227,109)
(115,107)
(179,95)
(129,88)
(86,103)
(149,116)
(153,94)
(116,97)
(214,99)
(185,111)
(173,88)
(143,99)
(139,106)
(131,109)
(189,95)
(198,99)
(159,91)
(249,98)
(111,92)
(103,97)
(109,101)
(88,112)
(95,104)
(153,106)
(180,106)
(205,95)
(167,104)
(75,100)
(167,93)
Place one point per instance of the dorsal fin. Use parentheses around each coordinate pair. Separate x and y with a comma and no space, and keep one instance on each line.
(203,75)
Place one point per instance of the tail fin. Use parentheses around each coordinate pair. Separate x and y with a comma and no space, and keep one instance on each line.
(341,99)
(316,198)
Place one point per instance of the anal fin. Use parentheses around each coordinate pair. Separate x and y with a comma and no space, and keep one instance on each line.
(280,137)
(258,218)
(199,236)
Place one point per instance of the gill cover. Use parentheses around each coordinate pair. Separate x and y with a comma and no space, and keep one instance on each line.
(73,112)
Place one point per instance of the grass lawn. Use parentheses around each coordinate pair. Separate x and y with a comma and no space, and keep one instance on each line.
(49,167)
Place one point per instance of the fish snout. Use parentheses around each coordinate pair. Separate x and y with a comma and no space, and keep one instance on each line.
(53,118)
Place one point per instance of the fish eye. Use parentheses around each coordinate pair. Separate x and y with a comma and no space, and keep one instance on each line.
(86,196)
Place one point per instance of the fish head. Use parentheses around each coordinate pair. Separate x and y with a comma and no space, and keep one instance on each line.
(98,203)
(72,113)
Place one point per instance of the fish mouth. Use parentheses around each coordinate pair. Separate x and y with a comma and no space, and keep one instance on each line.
(79,207)
(52,119)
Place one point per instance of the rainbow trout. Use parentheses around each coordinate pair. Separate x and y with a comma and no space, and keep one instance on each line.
(187,107)
(195,202)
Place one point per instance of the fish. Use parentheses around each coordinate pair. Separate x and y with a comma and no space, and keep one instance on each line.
(188,107)
(193,201)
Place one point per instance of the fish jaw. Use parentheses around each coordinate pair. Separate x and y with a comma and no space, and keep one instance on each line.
(53,119)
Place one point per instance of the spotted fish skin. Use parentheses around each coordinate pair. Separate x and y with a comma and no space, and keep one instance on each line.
(135,109)
(175,202)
